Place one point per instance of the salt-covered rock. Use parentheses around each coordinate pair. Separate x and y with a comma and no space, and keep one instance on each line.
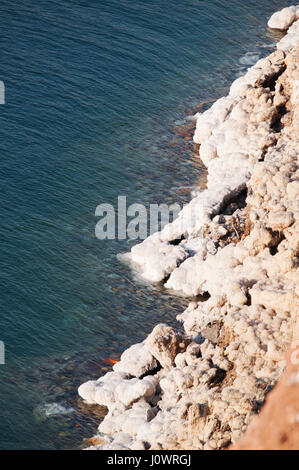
(290,39)
(280,220)
(127,420)
(293,190)
(164,344)
(114,387)
(135,389)
(136,361)
(271,295)
(138,445)
(157,258)
(284,18)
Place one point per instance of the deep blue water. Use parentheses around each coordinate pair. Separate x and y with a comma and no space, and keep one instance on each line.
(95,93)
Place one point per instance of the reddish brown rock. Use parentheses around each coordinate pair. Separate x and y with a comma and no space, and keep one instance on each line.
(277,425)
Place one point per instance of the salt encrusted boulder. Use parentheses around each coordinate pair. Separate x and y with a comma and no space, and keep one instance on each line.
(136,361)
(164,344)
(290,39)
(127,420)
(157,258)
(284,18)
(293,190)
(121,441)
(138,445)
(87,392)
(207,121)
(102,391)
(280,220)
(280,294)
(135,389)
(152,431)
(262,71)
(117,387)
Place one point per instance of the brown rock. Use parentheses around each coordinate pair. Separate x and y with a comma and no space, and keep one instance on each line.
(277,425)
(164,344)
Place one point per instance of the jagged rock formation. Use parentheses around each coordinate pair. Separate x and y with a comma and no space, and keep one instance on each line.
(238,242)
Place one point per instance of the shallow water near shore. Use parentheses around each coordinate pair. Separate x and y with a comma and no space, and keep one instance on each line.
(97,95)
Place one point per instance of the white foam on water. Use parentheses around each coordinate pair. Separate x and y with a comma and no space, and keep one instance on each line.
(48,410)
(250,58)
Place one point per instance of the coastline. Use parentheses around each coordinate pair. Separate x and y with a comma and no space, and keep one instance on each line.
(235,241)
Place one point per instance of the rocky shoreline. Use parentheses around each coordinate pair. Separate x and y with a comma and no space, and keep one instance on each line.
(237,243)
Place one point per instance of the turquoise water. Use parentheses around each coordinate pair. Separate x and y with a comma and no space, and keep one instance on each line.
(96,96)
